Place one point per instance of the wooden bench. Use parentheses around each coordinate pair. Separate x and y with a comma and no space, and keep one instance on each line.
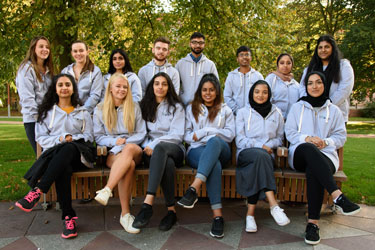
(291,185)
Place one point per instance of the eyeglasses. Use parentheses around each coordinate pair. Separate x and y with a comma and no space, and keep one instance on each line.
(196,42)
(244,55)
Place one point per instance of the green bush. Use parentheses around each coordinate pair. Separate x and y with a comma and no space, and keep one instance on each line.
(369,110)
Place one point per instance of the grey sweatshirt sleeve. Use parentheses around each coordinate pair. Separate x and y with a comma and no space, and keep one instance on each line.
(142,78)
(43,137)
(176,131)
(228,94)
(302,88)
(95,91)
(25,81)
(176,81)
(100,134)
(136,88)
(337,134)
(87,133)
(140,128)
(345,85)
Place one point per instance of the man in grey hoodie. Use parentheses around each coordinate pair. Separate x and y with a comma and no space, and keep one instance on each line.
(193,67)
(159,63)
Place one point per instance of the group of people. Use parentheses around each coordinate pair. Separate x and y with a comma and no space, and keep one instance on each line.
(150,118)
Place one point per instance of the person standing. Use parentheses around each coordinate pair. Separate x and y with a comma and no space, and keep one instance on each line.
(338,72)
(119,63)
(240,80)
(33,79)
(193,67)
(159,63)
(88,76)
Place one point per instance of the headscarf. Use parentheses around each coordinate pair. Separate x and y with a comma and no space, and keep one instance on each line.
(264,108)
(315,101)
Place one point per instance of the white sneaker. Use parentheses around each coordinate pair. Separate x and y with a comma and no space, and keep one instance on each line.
(251,226)
(103,195)
(279,216)
(126,222)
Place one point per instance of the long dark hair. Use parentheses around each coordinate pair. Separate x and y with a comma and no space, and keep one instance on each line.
(198,100)
(332,72)
(127,68)
(51,98)
(148,103)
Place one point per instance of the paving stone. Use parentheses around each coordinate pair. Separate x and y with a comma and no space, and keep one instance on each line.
(46,222)
(107,241)
(301,245)
(17,221)
(90,219)
(55,242)
(350,243)
(182,239)
(21,243)
(7,241)
(364,224)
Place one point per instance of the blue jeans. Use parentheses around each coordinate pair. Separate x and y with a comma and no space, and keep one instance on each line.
(208,161)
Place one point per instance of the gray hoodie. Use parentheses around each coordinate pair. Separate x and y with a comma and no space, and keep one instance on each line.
(237,87)
(222,126)
(134,82)
(148,71)
(191,74)
(168,127)
(339,92)
(105,138)
(254,131)
(58,123)
(325,122)
(31,91)
(90,86)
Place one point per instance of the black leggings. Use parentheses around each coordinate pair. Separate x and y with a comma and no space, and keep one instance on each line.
(253,199)
(319,175)
(30,133)
(165,157)
(66,160)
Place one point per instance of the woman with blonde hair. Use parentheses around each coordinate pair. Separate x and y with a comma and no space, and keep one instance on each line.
(34,76)
(118,124)
(88,76)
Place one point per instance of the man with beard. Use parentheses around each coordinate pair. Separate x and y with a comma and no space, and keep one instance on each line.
(193,67)
(161,51)
(240,80)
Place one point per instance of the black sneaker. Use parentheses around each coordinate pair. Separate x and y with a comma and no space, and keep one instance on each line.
(143,217)
(70,227)
(168,221)
(189,199)
(217,229)
(28,202)
(345,206)
(312,235)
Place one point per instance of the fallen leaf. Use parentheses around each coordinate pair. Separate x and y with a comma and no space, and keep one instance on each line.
(11,208)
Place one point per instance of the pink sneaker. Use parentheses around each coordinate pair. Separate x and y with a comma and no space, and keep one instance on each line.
(28,202)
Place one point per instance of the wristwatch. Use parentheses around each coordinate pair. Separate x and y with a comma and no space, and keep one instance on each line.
(326,141)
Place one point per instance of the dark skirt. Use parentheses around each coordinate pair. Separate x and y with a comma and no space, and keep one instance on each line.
(254,172)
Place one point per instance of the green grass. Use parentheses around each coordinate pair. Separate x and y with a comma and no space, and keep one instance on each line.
(361,128)
(359,166)
(361,119)
(11,119)
(16,157)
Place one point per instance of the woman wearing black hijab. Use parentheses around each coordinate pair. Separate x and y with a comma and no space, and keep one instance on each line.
(259,130)
(315,129)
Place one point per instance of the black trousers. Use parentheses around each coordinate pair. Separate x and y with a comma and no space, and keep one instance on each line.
(30,133)
(59,170)
(162,163)
(319,175)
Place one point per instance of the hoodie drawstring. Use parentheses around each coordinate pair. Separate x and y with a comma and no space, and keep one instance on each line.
(199,67)
(327,116)
(248,121)
(301,118)
(53,117)
(191,71)
(221,112)
(153,70)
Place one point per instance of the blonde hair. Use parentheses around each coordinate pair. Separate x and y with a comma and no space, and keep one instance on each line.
(108,106)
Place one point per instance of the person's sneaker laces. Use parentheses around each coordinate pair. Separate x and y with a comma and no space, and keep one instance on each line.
(28,202)
(70,227)
(279,216)
(189,199)
(251,226)
(312,235)
(143,217)
(217,229)
(126,222)
(168,221)
(102,195)
(345,206)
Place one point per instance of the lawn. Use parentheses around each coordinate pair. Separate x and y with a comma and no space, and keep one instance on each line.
(11,119)
(16,156)
(361,128)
